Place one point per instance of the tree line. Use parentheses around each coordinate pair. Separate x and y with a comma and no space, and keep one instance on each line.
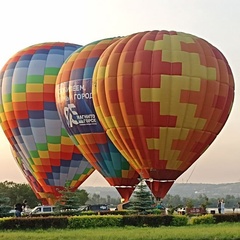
(200,201)
(11,193)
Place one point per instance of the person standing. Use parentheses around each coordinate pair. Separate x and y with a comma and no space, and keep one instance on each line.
(24,204)
(18,210)
(219,206)
(234,207)
(222,206)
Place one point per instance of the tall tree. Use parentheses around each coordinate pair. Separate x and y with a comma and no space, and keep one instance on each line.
(142,198)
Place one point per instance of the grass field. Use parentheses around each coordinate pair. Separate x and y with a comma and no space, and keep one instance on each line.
(213,231)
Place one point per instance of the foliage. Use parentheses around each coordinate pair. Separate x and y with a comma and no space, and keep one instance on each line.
(189,203)
(219,218)
(71,200)
(169,201)
(200,200)
(121,212)
(94,221)
(90,221)
(204,219)
(34,223)
(179,220)
(17,192)
(98,199)
(97,221)
(147,220)
(4,204)
(142,199)
(171,209)
(156,211)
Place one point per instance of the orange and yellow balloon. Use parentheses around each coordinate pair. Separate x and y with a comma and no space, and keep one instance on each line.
(162,97)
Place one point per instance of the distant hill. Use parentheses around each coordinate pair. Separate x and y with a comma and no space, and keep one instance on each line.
(210,190)
(182,189)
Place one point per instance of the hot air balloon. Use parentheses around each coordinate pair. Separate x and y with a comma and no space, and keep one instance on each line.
(76,110)
(31,122)
(162,97)
(35,186)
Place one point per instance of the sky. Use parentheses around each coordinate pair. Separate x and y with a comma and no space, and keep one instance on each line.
(27,22)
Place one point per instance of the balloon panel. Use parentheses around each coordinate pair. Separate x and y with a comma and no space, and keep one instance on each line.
(30,119)
(35,186)
(162,97)
(75,107)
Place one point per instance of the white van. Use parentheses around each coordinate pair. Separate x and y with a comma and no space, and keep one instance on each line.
(42,210)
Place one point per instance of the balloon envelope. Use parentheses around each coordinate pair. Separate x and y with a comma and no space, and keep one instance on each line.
(162,96)
(75,107)
(35,186)
(30,119)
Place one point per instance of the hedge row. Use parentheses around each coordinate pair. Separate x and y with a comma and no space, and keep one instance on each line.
(84,213)
(76,222)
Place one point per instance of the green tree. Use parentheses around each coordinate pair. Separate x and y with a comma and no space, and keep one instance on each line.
(18,192)
(142,198)
(172,201)
(72,200)
(4,204)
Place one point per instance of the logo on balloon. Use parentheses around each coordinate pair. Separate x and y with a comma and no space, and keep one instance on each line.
(73,118)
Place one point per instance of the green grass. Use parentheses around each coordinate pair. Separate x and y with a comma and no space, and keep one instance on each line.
(211,231)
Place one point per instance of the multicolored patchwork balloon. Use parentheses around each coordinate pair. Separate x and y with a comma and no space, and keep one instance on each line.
(35,186)
(162,97)
(30,119)
(76,110)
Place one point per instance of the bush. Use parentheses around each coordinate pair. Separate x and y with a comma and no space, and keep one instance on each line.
(204,219)
(120,212)
(3,215)
(227,218)
(147,220)
(94,221)
(179,220)
(34,223)
(156,211)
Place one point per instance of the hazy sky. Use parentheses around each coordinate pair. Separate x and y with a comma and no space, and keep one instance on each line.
(28,22)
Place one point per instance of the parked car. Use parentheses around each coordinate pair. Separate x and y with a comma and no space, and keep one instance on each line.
(42,211)
(95,208)
(12,212)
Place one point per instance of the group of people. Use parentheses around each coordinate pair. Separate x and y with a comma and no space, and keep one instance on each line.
(221,206)
(19,208)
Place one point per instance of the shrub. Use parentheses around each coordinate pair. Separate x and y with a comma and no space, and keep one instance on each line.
(204,219)
(121,212)
(157,211)
(94,221)
(227,218)
(179,220)
(147,220)
(34,223)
